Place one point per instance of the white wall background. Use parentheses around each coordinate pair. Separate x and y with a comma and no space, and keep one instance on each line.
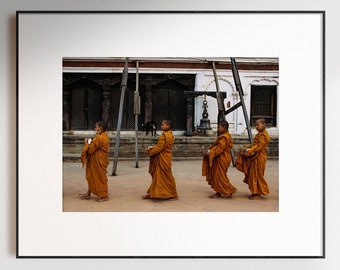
(205,81)
(8,125)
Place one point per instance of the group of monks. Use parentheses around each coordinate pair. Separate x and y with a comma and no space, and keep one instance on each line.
(251,160)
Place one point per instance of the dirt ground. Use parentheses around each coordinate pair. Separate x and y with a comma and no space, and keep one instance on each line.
(130,184)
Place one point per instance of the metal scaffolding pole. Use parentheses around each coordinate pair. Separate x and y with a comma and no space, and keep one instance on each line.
(241,94)
(219,98)
(136,111)
(120,114)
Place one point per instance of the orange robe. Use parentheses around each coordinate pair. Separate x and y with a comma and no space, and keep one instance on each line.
(254,164)
(96,158)
(216,163)
(163,185)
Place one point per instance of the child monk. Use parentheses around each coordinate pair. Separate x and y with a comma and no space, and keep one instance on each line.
(95,155)
(252,161)
(216,161)
(163,184)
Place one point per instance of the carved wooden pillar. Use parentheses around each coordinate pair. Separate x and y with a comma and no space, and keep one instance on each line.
(66,119)
(148,101)
(106,107)
(189,115)
(106,101)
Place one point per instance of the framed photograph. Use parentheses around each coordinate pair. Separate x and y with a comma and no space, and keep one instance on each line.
(57,51)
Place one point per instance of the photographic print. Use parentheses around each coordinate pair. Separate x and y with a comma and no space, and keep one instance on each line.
(161,132)
(183,90)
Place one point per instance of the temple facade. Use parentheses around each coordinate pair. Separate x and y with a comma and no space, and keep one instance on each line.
(178,89)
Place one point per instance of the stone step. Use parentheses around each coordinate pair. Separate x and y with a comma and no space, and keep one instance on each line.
(184,147)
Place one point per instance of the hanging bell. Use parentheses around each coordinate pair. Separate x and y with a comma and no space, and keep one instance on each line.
(204,122)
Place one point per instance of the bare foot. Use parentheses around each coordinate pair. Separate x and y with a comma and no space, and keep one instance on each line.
(229,196)
(102,199)
(254,196)
(216,195)
(85,196)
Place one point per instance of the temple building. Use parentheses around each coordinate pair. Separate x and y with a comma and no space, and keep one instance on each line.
(179,89)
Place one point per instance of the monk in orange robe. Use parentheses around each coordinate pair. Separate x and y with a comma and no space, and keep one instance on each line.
(216,161)
(96,158)
(252,161)
(163,185)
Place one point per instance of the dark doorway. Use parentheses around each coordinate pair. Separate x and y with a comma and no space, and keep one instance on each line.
(86,104)
(168,102)
(264,104)
(88,98)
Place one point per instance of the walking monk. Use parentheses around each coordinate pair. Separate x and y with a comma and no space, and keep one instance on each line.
(163,184)
(96,158)
(216,161)
(252,161)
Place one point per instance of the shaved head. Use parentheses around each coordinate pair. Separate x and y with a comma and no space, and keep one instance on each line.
(261,120)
